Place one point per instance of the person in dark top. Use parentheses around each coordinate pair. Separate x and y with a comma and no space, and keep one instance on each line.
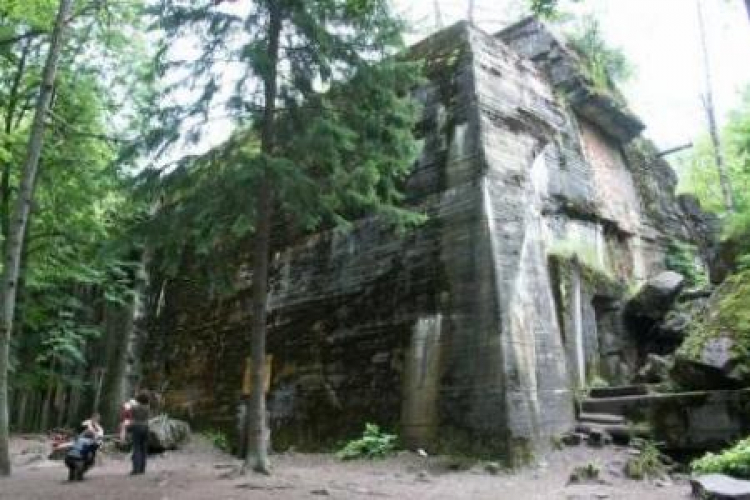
(81,455)
(138,430)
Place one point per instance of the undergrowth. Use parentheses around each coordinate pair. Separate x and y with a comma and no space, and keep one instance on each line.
(734,461)
(589,472)
(647,464)
(729,316)
(681,257)
(217,438)
(374,443)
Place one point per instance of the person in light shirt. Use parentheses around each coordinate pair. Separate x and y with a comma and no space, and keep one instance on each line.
(94,425)
(126,412)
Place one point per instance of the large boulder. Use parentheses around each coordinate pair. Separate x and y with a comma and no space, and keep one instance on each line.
(656,369)
(716,367)
(690,305)
(656,296)
(716,352)
(166,433)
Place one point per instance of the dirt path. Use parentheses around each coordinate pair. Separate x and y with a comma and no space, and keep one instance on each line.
(200,473)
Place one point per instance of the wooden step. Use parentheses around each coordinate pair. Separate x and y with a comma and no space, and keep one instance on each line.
(623,390)
(601,418)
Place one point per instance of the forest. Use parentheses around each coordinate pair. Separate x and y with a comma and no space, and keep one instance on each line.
(146,141)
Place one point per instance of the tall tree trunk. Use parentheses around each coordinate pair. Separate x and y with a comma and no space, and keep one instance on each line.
(48,400)
(257,456)
(123,332)
(10,111)
(20,216)
(708,103)
(36,409)
(61,400)
(75,394)
(118,327)
(21,416)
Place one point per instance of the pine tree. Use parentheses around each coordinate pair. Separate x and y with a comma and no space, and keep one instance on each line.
(312,157)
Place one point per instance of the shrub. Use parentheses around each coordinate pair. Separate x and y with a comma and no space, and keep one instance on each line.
(648,463)
(734,461)
(218,439)
(585,474)
(373,444)
(682,257)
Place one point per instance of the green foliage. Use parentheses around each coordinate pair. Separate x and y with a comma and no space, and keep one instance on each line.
(734,461)
(647,464)
(604,65)
(373,444)
(76,254)
(728,315)
(585,473)
(729,310)
(698,173)
(566,251)
(549,9)
(682,257)
(343,142)
(544,8)
(218,439)
(36,14)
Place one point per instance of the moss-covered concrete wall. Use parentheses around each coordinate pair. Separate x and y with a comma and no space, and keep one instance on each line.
(454,335)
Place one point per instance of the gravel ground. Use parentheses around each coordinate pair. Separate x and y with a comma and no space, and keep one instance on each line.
(201,473)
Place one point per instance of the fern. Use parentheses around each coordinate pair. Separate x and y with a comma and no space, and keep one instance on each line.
(373,444)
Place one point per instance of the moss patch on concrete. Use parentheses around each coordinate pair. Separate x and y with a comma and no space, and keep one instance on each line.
(727,316)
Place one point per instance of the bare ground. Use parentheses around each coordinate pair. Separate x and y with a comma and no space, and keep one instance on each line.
(201,473)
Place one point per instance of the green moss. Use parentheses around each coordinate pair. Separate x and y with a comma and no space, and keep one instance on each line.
(728,315)
(682,257)
(566,253)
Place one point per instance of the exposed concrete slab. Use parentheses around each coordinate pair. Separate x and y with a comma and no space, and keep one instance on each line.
(720,487)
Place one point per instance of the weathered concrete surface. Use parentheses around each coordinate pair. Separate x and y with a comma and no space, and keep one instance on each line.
(466,333)
(696,420)
(720,487)
(657,295)
(532,40)
(705,229)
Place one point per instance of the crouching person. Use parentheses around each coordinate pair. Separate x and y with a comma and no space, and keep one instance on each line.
(81,455)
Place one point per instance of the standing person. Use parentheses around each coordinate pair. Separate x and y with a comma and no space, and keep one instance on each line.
(125,418)
(138,430)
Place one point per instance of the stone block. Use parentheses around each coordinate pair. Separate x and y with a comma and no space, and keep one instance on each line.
(720,487)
